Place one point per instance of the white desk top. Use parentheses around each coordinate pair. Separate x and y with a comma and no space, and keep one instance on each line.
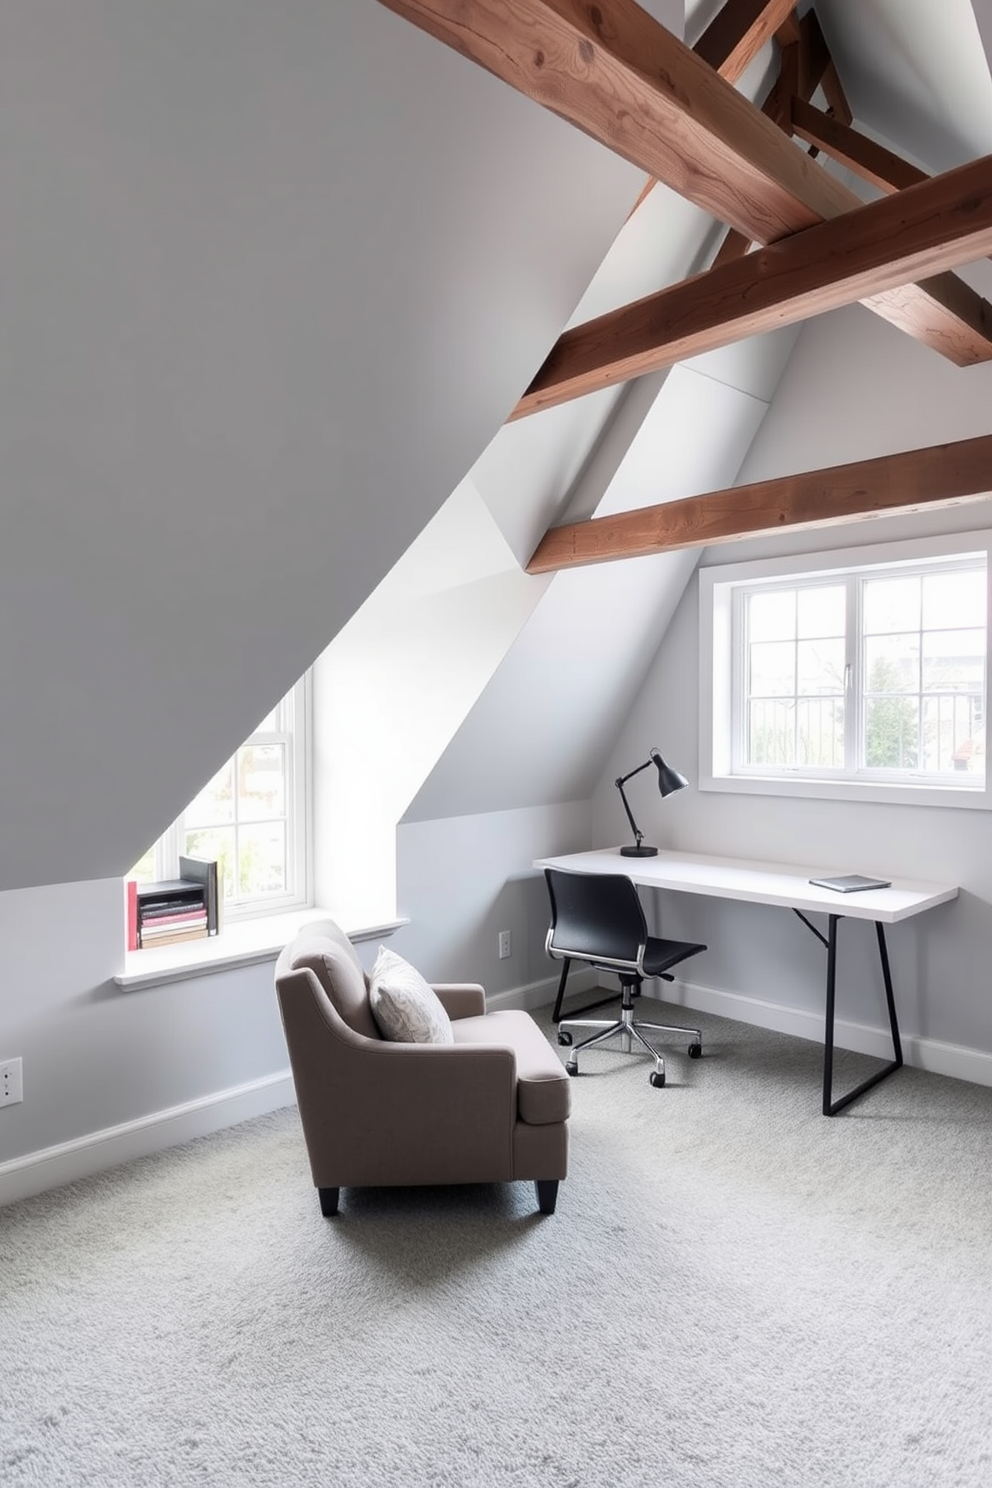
(784,884)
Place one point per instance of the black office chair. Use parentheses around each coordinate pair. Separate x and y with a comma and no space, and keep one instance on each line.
(597,918)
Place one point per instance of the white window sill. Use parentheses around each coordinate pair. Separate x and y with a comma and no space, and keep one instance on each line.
(973,798)
(239,944)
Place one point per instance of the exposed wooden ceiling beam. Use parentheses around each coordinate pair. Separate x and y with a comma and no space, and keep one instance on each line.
(737,33)
(725,45)
(873,162)
(939,476)
(617,74)
(944,220)
(612,70)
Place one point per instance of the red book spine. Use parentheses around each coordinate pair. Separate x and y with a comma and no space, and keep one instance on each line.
(132,914)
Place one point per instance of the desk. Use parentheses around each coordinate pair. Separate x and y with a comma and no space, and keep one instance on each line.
(786,886)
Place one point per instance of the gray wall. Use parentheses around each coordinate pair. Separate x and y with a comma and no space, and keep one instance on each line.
(853,388)
(249,254)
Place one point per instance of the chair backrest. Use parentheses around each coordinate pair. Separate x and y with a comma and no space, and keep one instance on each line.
(324,949)
(595,917)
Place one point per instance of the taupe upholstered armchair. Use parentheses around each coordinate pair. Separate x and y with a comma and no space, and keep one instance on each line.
(490,1107)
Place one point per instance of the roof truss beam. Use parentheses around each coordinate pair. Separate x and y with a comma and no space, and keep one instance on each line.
(923,479)
(942,221)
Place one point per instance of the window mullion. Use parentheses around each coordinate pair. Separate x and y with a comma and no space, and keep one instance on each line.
(854,678)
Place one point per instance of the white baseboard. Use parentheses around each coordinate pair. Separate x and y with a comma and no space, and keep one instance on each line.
(540,994)
(20,1177)
(956,1060)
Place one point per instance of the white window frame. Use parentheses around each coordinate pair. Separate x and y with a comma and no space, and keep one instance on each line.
(296,734)
(719,709)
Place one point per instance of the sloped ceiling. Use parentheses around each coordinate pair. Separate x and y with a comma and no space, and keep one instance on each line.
(915,76)
(272,278)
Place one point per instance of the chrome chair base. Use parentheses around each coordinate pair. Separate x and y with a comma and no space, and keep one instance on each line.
(632,1031)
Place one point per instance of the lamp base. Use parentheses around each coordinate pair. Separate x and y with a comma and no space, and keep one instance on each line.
(638,852)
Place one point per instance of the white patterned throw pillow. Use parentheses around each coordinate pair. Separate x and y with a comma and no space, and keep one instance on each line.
(406,1009)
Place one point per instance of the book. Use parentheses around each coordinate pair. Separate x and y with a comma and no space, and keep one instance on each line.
(204,871)
(850,883)
(132,914)
(173,937)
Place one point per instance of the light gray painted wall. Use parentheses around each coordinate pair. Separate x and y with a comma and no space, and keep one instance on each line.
(249,255)
(96,1057)
(463,879)
(853,388)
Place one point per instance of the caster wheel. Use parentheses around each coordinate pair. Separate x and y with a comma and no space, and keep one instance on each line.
(657,1080)
(572,1067)
(695,1051)
(564,1038)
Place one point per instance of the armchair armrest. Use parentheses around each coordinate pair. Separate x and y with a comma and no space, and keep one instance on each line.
(461,999)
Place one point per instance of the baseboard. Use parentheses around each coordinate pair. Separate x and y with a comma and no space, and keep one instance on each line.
(938,1058)
(20,1177)
(540,994)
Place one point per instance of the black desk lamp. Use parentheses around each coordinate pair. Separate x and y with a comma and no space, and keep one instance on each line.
(669,780)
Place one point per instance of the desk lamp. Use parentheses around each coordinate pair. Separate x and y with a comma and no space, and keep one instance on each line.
(669,780)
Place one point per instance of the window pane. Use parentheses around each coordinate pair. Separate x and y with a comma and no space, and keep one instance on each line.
(892,664)
(144,869)
(954,599)
(261,781)
(891,604)
(892,733)
(772,669)
(771,733)
(771,616)
(954,661)
(821,612)
(820,666)
(215,803)
(953,737)
(820,729)
(261,860)
(219,843)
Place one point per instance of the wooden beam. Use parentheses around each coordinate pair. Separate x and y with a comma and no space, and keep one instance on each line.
(737,33)
(833,92)
(922,479)
(873,162)
(886,243)
(612,70)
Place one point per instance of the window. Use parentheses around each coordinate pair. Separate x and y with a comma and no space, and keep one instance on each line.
(859,674)
(252,817)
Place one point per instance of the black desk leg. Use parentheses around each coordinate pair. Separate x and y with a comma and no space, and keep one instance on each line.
(831,1106)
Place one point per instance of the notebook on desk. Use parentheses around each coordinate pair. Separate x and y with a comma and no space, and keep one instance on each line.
(849,883)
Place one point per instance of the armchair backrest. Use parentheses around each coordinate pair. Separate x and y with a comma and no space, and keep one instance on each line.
(595,917)
(324,949)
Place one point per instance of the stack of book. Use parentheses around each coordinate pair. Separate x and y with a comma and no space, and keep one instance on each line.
(174,911)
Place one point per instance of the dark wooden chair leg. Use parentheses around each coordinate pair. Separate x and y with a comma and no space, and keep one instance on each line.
(328,1201)
(547,1194)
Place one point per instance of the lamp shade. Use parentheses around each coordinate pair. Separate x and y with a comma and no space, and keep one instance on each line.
(669,779)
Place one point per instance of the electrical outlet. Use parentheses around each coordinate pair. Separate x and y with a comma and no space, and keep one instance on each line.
(505,944)
(11,1082)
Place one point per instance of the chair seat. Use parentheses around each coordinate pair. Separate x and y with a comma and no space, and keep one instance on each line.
(543,1091)
(659,955)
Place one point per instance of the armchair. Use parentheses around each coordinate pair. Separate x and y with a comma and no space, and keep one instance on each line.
(491,1107)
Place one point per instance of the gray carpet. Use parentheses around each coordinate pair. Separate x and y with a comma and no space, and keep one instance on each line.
(734,1291)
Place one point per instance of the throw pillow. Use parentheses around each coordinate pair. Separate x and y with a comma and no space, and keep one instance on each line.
(406,1009)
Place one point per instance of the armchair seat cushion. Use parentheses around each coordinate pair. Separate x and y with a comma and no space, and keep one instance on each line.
(544,1092)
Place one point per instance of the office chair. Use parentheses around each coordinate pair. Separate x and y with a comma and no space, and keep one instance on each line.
(598,918)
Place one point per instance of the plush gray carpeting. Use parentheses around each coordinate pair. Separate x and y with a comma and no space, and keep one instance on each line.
(734,1293)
